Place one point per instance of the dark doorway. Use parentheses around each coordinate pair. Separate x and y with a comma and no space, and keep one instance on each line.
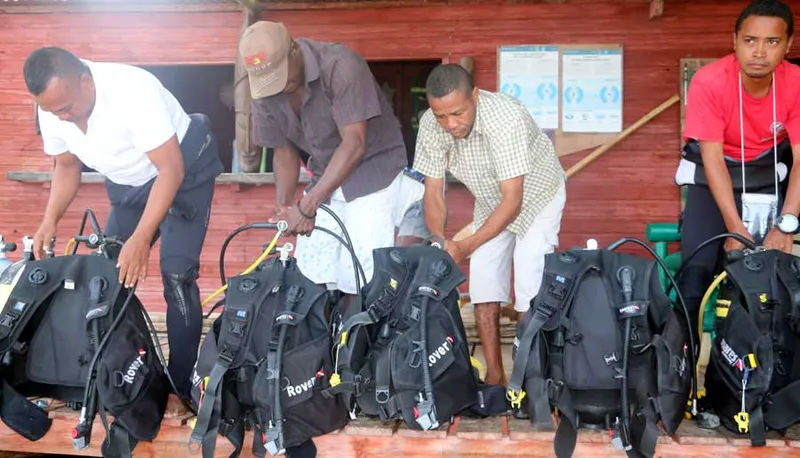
(200,89)
(403,83)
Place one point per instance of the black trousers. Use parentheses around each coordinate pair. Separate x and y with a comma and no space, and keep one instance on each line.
(702,220)
(182,234)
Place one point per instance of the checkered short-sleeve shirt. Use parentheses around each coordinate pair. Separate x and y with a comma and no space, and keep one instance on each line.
(505,143)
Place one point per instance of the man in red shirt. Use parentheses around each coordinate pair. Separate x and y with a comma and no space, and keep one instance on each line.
(769,90)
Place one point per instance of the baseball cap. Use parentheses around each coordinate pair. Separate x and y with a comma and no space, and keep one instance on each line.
(265,48)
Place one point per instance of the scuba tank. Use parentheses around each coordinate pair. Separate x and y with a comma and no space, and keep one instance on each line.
(12,272)
(10,275)
(5,247)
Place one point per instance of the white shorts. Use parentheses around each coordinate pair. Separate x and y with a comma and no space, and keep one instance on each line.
(370,222)
(490,264)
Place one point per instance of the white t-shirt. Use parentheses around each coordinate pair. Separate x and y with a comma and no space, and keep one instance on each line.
(133,114)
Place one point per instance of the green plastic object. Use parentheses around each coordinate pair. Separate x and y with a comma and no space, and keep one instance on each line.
(661,234)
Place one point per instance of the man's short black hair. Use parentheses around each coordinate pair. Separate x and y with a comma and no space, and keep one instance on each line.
(446,78)
(44,64)
(770,8)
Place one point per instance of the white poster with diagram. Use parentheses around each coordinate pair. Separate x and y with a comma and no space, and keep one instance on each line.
(592,90)
(530,74)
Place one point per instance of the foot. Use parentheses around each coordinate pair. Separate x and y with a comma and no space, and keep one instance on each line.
(509,312)
(175,407)
(493,379)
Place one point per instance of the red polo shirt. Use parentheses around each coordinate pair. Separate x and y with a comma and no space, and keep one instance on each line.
(712,111)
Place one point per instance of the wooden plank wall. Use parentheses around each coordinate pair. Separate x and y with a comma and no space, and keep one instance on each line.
(615,196)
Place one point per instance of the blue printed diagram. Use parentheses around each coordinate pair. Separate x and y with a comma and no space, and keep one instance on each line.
(512,89)
(592,105)
(547,91)
(609,95)
(539,95)
(573,95)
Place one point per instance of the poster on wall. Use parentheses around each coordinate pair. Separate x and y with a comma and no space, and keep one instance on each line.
(592,90)
(530,73)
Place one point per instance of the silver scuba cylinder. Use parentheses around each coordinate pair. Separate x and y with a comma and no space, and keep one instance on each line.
(5,247)
(12,273)
(8,275)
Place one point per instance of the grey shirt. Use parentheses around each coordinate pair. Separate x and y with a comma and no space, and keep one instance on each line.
(340,90)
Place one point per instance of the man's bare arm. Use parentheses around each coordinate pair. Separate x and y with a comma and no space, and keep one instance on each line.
(286,165)
(63,188)
(501,217)
(791,203)
(719,181)
(343,162)
(433,206)
(168,159)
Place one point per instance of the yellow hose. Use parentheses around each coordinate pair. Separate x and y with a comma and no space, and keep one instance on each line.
(70,244)
(216,293)
(249,269)
(706,297)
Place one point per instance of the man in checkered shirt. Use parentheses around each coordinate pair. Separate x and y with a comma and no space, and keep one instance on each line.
(490,143)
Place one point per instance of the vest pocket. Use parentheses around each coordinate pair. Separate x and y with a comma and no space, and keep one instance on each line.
(406,354)
(593,342)
(673,374)
(306,373)
(737,337)
(123,367)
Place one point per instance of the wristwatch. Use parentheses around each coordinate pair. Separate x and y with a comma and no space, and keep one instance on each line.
(787,223)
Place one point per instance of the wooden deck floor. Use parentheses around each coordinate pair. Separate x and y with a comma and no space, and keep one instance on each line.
(492,437)
(363,438)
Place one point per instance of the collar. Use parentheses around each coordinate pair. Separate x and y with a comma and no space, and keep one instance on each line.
(310,64)
(477,126)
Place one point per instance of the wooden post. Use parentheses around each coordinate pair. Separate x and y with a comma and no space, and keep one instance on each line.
(249,155)
(468,63)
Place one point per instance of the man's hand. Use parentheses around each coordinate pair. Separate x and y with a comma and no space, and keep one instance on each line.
(280,212)
(299,224)
(777,240)
(733,244)
(45,233)
(456,250)
(133,260)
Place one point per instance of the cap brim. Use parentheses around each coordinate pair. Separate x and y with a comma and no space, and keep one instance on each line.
(271,83)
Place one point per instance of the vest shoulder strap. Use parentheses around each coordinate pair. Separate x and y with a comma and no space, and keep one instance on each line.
(756,275)
(562,274)
(243,298)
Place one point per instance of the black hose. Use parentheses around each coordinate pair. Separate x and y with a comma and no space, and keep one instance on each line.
(229,238)
(685,309)
(80,230)
(347,243)
(744,240)
(356,265)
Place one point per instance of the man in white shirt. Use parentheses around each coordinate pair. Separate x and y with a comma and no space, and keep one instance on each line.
(159,163)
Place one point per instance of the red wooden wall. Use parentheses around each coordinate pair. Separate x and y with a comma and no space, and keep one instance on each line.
(614,196)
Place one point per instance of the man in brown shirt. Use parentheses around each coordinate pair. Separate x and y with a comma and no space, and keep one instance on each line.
(321,98)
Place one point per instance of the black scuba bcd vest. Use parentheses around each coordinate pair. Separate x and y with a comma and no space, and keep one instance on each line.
(570,352)
(68,317)
(266,362)
(753,376)
(404,355)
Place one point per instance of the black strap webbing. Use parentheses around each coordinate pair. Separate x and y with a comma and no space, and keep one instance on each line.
(784,410)
(383,375)
(566,437)
(758,433)
(238,317)
(21,415)
(118,443)
(560,289)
